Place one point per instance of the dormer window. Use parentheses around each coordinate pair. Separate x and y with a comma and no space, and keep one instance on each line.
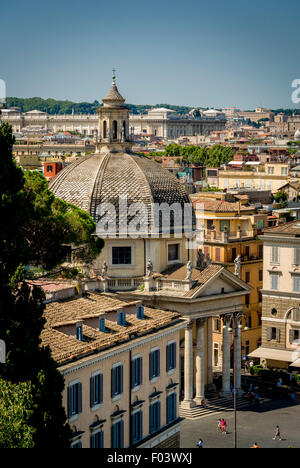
(140,312)
(79,333)
(122,318)
(102,325)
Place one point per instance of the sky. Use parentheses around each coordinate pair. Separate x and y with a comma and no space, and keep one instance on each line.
(187,52)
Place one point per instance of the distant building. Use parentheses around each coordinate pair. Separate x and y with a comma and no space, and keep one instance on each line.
(51,169)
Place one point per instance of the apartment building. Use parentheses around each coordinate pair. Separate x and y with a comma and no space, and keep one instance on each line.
(230,230)
(281,297)
(120,362)
(270,176)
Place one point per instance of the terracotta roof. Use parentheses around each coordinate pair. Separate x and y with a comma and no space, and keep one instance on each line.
(292,228)
(179,272)
(65,347)
(221,206)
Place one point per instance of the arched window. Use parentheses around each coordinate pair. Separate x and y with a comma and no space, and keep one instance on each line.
(115,130)
(104,129)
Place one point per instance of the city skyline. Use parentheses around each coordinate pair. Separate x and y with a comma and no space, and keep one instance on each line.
(207,55)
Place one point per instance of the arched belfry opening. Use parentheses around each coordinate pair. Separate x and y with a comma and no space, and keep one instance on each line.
(115,130)
(104,129)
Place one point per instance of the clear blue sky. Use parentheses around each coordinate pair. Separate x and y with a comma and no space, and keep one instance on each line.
(188,52)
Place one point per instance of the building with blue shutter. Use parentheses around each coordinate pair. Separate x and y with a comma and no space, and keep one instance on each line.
(120,364)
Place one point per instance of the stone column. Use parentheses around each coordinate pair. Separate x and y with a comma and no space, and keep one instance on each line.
(200,362)
(209,357)
(226,356)
(238,354)
(188,401)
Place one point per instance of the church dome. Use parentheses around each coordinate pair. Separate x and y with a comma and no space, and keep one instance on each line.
(105,177)
(115,172)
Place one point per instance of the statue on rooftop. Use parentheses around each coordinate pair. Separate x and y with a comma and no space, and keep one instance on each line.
(104,269)
(200,261)
(237,264)
(208,260)
(149,268)
(189,270)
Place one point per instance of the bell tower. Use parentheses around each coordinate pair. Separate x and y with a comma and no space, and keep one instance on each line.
(114,121)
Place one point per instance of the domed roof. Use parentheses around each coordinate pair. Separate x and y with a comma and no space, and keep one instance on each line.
(106,176)
(113,97)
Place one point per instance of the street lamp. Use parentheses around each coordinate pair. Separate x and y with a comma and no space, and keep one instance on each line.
(236,326)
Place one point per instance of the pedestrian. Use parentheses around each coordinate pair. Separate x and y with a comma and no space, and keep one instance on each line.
(224,426)
(277,433)
(219,425)
(255,445)
(200,443)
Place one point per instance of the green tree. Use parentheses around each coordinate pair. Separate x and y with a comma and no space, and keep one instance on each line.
(15,411)
(35,227)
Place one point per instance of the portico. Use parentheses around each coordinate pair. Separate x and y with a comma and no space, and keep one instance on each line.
(214,294)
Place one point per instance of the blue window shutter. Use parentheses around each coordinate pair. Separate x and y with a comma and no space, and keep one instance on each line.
(168,358)
(151,356)
(168,409)
(79,398)
(158,362)
(92,392)
(174,356)
(158,425)
(140,371)
(141,425)
(113,382)
(93,442)
(122,434)
(121,379)
(70,402)
(101,388)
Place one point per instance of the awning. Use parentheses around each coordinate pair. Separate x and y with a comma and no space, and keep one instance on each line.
(275,354)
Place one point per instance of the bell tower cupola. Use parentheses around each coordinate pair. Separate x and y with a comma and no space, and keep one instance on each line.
(114,121)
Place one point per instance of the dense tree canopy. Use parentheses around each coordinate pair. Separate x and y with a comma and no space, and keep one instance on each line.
(35,227)
(210,157)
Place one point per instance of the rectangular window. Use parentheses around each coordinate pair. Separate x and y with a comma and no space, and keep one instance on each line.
(271,170)
(137,426)
(154,417)
(296,256)
(274,255)
(96,389)
(171,408)
(117,435)
(296,283)
(74,399)
(171,357)
(260,251)
(260,275)
(97,440)
(247,348)
(121,255)
(154,364)
(217,324)
(136,372)
(247,277)
(273,334)
(116,381)
(49,168)
(173,252)
(260,224)
(247,299)
(274,281)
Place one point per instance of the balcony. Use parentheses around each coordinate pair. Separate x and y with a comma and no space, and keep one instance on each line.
(228,236)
